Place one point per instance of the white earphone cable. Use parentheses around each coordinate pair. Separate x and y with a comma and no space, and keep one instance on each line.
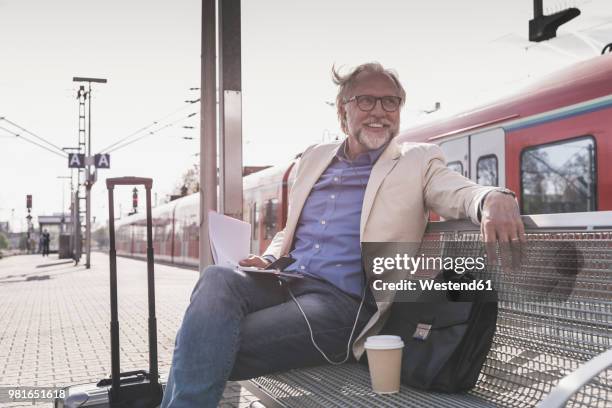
(314,343)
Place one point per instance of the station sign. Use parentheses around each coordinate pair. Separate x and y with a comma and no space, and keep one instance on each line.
(76,160)
(102,161)
(79,161)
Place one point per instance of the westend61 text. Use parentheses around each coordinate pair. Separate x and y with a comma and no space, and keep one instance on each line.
(428,284)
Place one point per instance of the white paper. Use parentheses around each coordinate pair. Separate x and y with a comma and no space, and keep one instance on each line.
(230,239)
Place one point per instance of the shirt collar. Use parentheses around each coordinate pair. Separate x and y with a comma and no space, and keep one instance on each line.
(368,157)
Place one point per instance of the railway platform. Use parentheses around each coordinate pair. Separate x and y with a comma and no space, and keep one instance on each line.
(54,329)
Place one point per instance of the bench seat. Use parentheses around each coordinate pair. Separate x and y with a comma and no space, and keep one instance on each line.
(347,386)
(553,339)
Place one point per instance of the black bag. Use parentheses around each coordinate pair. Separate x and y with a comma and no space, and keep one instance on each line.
(447,336)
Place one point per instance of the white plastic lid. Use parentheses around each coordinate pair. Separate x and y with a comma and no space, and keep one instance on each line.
(384,342)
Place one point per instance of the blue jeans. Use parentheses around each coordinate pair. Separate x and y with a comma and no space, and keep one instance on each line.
(240,326)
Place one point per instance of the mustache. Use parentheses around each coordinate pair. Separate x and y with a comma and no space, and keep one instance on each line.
(383,122)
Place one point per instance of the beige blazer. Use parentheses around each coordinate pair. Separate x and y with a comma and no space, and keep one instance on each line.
(407,180)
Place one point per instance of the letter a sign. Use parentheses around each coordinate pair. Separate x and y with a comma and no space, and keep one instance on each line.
(102,161)
(76,160)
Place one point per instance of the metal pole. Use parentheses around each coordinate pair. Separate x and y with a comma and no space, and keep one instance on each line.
(88,189)
(537,8)
(88,226)
(72,223)
(220,115)
(208,128)
(78,241)
(63,202)
(78,233)
(153,367)
(88,179)
(114,323)
(64,178)
(230,109)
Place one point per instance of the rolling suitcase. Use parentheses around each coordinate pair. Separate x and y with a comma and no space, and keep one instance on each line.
(134,389)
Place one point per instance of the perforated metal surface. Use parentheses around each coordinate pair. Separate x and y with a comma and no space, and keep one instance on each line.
(349,386)
(555,313)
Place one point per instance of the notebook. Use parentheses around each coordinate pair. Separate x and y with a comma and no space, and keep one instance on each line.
(230,242)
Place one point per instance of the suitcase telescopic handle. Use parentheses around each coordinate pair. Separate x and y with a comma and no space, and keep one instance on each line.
(114,324)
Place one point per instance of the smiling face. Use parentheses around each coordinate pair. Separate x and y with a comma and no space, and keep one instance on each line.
(370,130)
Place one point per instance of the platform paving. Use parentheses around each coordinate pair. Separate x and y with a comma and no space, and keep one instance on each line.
(54,321)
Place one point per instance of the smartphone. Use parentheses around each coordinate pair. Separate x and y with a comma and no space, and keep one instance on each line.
(281,263)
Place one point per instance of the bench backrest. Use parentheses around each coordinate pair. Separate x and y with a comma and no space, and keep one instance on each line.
(555,308)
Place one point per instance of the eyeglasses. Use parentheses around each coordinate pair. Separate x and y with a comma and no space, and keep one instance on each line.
(367,102)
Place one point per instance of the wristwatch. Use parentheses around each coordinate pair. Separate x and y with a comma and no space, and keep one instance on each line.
(498,190)
(269,258)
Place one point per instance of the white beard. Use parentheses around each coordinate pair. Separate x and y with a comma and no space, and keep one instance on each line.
(372,142)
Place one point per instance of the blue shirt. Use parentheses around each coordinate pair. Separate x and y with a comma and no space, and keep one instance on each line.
(326,243)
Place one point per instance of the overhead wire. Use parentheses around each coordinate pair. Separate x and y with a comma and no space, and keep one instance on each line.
(32,134)
(151,132)
(114,146)
(33,142)
(135,133)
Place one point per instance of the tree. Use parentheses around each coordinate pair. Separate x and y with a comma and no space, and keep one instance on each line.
(190,181)
(23,242)
(101,237)
(3,243)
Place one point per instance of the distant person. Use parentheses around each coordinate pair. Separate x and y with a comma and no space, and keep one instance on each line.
(41,240)
(46,238)
(366,187)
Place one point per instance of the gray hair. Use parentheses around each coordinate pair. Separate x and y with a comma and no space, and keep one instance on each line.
(347,81)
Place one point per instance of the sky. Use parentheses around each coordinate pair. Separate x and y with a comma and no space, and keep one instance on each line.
(458,53)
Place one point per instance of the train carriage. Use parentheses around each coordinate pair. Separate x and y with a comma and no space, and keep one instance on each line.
(550,142)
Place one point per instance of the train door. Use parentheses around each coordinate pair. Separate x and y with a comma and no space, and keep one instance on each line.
(457,155)
(254,220)
(487,158)
(270,222)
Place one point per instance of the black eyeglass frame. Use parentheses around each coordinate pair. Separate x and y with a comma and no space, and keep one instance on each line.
(376,99)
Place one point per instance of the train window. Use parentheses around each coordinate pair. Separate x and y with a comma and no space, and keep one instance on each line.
(139,232)
(456,166)
(559,177)
(486,170)
(254,222)
(158,230)
(270,218)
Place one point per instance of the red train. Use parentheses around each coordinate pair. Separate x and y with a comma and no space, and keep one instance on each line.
(550,142)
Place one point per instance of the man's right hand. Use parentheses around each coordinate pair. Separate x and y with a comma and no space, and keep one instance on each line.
(255,261)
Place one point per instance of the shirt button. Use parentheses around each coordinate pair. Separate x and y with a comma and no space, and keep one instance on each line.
(335,178)
(302,267)
(338,265)
(333,196)
(317,246)
(323,222)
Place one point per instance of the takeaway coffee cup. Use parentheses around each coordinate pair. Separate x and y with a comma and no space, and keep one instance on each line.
(385,361)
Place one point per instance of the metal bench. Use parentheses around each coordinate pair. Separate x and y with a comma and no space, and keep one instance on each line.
(553,343)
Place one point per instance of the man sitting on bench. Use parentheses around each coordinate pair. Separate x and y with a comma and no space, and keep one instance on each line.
(366,188)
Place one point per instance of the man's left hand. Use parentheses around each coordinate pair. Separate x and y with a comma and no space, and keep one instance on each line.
(501,222)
